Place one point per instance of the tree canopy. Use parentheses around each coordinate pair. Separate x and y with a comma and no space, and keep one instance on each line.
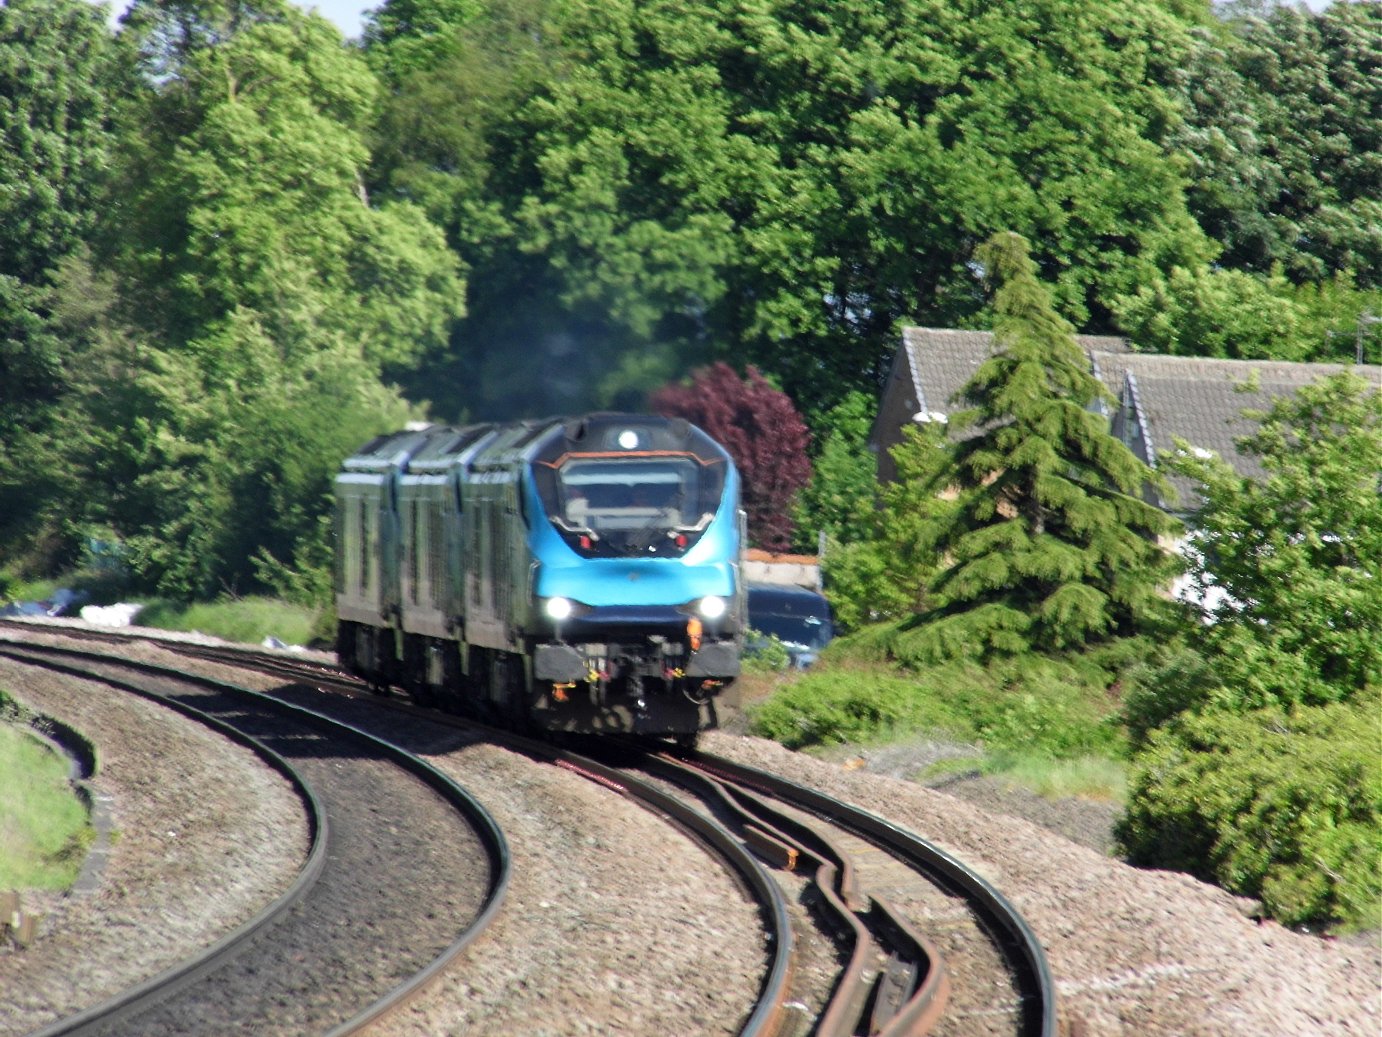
(58,67)
(1295,553)
(221,209)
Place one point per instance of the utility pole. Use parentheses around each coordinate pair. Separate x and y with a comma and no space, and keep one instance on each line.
(1366,318)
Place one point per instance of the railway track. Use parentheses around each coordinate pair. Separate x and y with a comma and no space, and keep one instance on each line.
(957,958)
(895,979)
(869,929)
(349,942)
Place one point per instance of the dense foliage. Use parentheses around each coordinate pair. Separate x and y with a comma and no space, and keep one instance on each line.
(271,223)
(1257,733)
(784,184)
(1050,544)
(762,431)
(58,70)
(885,571)
(1297,552)
(1282,805)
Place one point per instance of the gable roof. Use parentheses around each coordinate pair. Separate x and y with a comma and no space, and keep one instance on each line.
(1202,400)
(943,360)
(1160,398)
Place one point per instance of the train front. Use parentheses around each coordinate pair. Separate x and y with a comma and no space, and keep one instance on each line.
(637,596)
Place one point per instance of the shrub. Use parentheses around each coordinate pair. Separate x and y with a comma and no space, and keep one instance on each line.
(1285,806)
(1032,705)
(848,705)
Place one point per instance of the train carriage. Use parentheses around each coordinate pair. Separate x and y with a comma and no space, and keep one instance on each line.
(580,574)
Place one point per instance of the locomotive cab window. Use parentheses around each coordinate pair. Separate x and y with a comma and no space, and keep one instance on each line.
(631,505)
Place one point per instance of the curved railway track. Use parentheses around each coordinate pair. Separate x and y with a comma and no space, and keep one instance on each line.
(891,977)
(894,980)
(346,944)
(1005,975)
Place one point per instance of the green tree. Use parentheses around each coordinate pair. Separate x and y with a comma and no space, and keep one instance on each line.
(1282,127)
(269,294)
(1050,545)
(781,183)
(885,571)
(58,70)
(1296,553)
(842,498)
(1256,739)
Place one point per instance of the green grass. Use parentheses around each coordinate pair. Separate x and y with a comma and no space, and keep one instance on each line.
(44,829)
(1051,725)
(1035,706)
(1087,777)
(247,620)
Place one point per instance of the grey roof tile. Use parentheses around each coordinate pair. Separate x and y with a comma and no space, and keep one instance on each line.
(1198,399)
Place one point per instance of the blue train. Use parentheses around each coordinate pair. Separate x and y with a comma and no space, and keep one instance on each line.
(579,574)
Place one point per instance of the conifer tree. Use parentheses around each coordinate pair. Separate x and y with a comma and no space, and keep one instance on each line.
(1050,545)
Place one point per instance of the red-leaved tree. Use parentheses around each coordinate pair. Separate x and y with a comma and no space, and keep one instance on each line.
(762,431)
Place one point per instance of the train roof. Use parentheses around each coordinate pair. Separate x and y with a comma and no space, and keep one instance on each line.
(439,447)
(389,452)
(627,434)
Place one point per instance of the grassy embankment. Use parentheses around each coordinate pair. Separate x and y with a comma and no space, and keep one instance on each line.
(44,830)
(1051,726)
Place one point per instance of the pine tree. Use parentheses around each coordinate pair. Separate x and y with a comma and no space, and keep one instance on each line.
(1049,545)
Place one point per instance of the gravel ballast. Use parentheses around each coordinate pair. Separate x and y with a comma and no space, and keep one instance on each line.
(580,947)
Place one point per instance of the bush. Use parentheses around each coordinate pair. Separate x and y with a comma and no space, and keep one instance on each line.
(848,705)
(1031,705)
(765,653)
(1156,692)
(1284,806)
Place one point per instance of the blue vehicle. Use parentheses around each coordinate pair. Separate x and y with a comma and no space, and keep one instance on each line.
(578,574)
(798,617)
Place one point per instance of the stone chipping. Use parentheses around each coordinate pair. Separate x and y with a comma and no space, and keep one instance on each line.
(582,948)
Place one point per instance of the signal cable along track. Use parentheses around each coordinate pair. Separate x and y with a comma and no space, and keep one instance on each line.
(1013,938)
(358,935)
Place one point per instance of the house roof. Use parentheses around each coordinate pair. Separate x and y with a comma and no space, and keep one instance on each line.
(1202,400)
(1198,399)
(943,360)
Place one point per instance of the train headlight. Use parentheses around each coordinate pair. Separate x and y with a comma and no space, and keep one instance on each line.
(711,607)
(559,608)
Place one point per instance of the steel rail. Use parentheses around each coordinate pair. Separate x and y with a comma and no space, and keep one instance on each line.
(136,999)
(768,1017)
(482,822)
(1035,982)
(915,987)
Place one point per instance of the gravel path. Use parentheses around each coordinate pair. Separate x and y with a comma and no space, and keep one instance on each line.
(1134,952)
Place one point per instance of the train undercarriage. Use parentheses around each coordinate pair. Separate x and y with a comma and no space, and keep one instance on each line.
(609,688)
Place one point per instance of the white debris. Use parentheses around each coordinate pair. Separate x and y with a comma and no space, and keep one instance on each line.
(118,615)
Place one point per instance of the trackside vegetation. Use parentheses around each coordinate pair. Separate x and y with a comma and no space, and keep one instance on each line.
(44,828)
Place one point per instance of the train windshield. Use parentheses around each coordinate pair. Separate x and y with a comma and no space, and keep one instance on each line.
(633,505)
